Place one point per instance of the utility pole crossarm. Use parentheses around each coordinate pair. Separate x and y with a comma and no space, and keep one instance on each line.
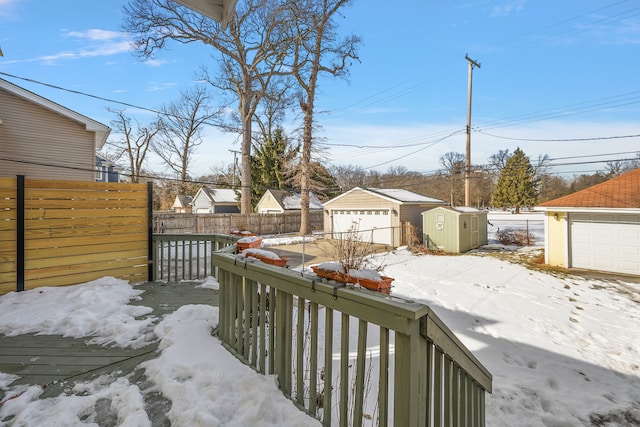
(471,61)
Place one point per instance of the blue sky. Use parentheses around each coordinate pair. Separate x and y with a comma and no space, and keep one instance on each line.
(562,71)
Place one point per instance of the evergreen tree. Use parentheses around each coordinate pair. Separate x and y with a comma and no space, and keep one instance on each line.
(517,183)
(268,164)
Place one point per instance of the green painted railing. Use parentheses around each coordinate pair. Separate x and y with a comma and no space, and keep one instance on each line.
(186,256)
(313,336)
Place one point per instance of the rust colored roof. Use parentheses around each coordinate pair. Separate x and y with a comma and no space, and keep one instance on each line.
(620,192)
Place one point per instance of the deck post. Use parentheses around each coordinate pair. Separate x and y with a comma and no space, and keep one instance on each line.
(20,233)
(410,378)
(151,270)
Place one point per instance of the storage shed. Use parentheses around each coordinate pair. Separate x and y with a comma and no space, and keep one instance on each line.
(457,229)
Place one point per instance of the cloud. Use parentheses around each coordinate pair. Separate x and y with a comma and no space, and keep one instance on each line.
(6,7)
(508,8)
(156,86)
(95,43)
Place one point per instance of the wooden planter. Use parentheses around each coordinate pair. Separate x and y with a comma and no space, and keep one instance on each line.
(254,244)
(331,274)
(267,260)
(383,285)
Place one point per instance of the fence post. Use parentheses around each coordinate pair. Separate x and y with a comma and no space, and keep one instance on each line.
(20,233)
(151,271)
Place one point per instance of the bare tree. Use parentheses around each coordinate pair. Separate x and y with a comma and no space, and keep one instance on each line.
(136,141)
(499,160)
(184,120)
(252,50)
(454,165)
(317,49)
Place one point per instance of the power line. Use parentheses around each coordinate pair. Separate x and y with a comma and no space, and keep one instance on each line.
(559,140)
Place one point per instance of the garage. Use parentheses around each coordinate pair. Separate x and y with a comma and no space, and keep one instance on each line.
(379,214)
(373,225)
(597,228)
(605,242)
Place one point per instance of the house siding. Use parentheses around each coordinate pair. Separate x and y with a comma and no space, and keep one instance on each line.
(42,143)
(359,199)
(268,204)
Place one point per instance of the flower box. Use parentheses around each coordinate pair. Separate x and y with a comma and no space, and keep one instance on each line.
(248,242)
(383,285)
(330,274)
(265,256)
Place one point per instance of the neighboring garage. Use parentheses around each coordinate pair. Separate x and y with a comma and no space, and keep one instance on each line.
(597,228)
(605,241)
(376,213)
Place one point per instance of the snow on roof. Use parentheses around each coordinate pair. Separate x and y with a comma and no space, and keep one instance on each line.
(465,209)
(292,201)
(404,195)
(222,195)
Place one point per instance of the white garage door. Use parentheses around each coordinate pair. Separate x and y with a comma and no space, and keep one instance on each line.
(373,225)
(606,242)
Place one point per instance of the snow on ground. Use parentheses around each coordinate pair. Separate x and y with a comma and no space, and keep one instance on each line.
(563,350)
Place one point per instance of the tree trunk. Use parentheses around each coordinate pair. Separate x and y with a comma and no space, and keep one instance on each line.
(245,191)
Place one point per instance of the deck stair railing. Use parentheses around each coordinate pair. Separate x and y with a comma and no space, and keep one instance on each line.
(313,336)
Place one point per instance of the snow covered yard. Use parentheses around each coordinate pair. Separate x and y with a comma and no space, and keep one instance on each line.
(563,350)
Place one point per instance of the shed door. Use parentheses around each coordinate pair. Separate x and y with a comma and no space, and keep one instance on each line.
(475,232)
(606,242)
(373,225)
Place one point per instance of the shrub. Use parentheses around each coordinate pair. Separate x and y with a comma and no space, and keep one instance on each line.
(509,236)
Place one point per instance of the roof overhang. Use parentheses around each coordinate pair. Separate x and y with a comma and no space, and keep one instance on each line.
(218,10)
(575,209)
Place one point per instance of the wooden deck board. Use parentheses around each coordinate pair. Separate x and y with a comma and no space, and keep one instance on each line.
(54,361)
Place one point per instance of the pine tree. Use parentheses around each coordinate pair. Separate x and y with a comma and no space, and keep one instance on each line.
(268,164)
(517,183)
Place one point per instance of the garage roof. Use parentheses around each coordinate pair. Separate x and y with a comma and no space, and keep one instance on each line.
(394,194)
(404,196)
(620,192)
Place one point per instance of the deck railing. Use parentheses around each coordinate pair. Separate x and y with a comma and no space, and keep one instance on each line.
(186,256)
(349,357)
(346,356)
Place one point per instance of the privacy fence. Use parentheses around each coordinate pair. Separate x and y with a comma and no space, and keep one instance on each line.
(287,222)
(55,233)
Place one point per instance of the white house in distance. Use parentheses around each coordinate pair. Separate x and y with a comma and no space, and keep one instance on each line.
(378,213)
(279,201)
(215,200)
(597,228)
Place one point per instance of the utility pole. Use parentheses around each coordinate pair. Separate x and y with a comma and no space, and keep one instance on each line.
(467,169)
(235,163)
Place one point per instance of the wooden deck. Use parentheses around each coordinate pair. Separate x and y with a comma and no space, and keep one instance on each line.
(54,361)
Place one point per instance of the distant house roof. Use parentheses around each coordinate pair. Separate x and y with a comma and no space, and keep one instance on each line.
(182,200)
(290,200)
(396,195)
(620,192)
(220,195)
(101,131)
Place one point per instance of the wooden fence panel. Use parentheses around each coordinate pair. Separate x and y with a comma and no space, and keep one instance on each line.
(287,222)
(7,235)
(74,232)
